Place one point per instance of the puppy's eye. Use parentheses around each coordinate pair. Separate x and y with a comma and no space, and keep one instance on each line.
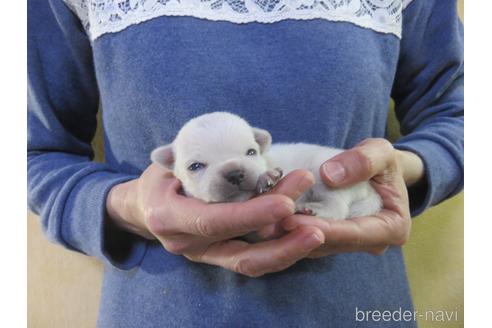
(196,166)
(251,152)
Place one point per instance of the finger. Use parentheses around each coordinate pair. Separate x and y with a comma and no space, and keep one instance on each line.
(180,244)
(218,220)
(370,158)
(254,260)
(272,231)
(394,196)
(356,234)
(294,184)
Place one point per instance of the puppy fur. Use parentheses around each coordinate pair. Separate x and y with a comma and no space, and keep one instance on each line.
(219,157)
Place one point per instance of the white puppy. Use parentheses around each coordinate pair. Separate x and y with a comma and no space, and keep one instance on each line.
(219,157)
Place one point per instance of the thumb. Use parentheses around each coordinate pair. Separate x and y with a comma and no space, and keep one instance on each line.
(366,160)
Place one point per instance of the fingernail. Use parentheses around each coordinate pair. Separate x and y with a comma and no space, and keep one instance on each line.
(334,171)
(312,241)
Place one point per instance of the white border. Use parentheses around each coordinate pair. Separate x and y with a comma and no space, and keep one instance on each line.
(478,166)
(13,166)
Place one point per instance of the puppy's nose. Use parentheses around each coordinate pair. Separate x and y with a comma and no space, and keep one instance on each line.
(235,177)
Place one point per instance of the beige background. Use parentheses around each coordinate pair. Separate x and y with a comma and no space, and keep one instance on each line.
(63,286)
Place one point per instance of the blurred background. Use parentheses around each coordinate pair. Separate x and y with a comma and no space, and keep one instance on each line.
(64,286)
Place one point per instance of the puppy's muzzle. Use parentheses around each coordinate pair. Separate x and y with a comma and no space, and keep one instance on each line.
(235,177)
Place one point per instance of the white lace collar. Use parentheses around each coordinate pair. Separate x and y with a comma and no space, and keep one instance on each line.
(108,16)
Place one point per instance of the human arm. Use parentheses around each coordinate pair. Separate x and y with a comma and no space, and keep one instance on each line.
(65,187)
(427,161)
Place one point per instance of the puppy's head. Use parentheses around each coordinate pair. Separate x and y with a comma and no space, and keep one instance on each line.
(217,157)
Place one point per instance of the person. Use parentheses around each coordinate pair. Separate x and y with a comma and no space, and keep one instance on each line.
(320,72)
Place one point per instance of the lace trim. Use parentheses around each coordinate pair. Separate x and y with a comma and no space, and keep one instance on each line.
(108,16)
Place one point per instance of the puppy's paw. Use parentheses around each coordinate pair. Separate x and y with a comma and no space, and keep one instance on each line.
(305,211)
(268,180)
(328,211)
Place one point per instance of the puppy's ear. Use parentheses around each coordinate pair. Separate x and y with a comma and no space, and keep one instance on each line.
(163,156)
(263,138)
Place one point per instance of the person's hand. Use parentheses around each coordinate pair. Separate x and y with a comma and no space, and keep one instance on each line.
(388,170)
(153,207)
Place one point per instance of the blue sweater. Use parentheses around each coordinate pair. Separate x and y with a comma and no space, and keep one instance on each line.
(323,73)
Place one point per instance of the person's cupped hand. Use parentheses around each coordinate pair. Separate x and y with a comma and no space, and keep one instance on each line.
(389,171)
(153,207)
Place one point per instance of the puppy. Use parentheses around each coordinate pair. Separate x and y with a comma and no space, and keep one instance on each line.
(219,157)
